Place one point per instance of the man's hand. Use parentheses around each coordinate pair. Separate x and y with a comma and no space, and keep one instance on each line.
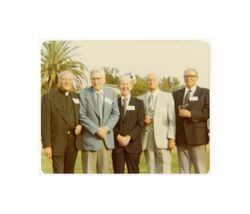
(102,132)
(148,120)
(184,113)
(171,144)
(78,129)
(128,138)
(48,152)
(123,141)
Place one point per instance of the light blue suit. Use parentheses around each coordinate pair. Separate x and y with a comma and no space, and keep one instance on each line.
(90,117)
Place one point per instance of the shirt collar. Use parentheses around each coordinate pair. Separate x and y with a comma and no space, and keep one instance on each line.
(193,89)
(128,98)
(155,93)
(66,93)
(99,92)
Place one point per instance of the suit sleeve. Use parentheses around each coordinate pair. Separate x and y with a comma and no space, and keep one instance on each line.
(202,114)
(84,119)
(171,117)
(46,121)
(115,113)
(136,131)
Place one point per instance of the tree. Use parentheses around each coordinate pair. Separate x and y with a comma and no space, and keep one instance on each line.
(170,84)
(56,56)
(111,75)
(140,87)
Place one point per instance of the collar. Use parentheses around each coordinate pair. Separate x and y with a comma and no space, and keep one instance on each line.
(128,98)
(155,93)
(66,93)
(99,92)
(193,89)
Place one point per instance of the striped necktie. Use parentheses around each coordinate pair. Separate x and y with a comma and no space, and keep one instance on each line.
(185,101)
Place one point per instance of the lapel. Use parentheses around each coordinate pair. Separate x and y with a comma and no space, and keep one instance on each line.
(181,96)
(92,97)
(106,105)
(58,103)
(157,101)
(76,107)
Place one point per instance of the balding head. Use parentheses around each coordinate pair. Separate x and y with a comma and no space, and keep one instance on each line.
(190,77)
(152,80)
(65,80)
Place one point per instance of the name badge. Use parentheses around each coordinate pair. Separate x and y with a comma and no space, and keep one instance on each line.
(130,108)
(107,100)
(193,98)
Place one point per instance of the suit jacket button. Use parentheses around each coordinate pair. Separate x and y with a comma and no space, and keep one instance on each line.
(68,132)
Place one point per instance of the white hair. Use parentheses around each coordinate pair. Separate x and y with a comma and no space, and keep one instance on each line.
(128,76)
(154,74)
(65,73)
(191,69)
(96,70)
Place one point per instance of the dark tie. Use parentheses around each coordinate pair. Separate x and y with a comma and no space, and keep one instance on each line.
(185,101)
(150,104)
(125,100)
(100,104)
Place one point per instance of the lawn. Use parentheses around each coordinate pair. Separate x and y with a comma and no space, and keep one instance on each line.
(46,163)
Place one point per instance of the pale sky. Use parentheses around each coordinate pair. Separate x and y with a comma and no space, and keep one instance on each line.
(166,58)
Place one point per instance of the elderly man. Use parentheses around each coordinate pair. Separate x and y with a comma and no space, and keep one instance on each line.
(99,114)
(158,136)
(192,113)
(127,131)
(60,125)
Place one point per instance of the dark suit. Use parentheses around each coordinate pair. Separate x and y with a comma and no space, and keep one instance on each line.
(192,132)
(130,124)
(59,116)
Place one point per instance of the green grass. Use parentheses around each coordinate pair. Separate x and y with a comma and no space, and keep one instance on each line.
(46,163)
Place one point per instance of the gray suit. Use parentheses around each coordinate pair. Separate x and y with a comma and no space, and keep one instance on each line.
(155,137)
(90,118)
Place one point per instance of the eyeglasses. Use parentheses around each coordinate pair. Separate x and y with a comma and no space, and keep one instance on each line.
(93,79)
(191,76)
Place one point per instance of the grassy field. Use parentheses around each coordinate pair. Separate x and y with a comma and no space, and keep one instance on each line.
(46,164)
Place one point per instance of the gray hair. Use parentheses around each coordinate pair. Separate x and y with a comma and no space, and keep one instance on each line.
(158,79)
(65,73)
(96,70)
(191,69)
(128,76)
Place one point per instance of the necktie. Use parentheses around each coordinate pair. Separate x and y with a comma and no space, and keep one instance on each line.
(150,104)
(125,100)
(100,104)
(185,101)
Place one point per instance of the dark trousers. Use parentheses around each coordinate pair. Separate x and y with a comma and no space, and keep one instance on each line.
(66,162)
(131,160)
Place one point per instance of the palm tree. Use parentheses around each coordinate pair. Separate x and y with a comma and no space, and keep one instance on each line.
(56,56)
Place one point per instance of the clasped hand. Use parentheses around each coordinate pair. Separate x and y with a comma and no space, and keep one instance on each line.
(148,119)
(102,132)
(78,129)
(184,113)
(123,140)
